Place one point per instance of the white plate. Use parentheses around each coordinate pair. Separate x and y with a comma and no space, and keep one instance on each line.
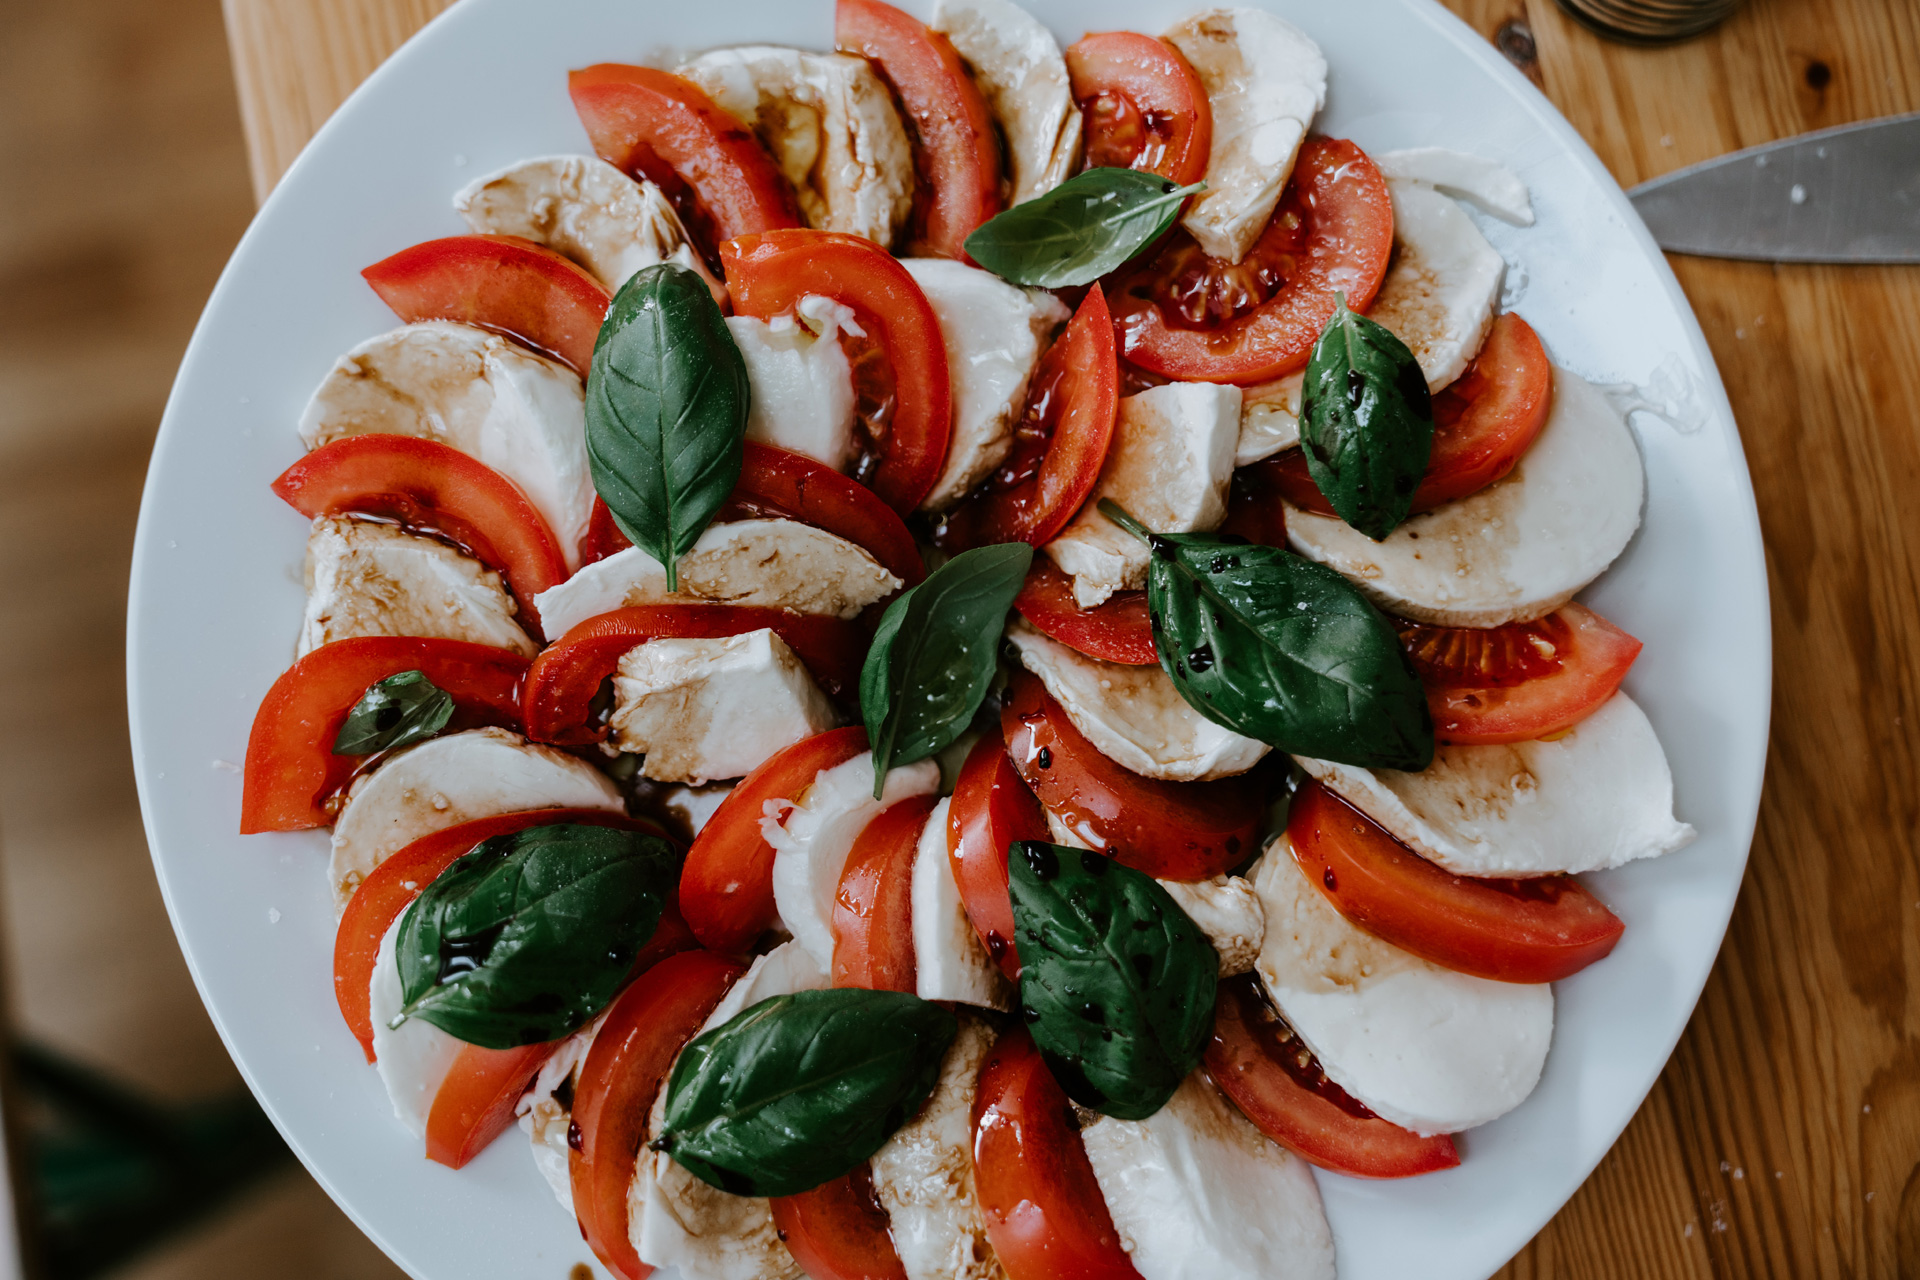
(216,596)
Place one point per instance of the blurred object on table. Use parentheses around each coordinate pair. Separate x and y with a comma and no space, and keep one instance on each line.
(1650,21)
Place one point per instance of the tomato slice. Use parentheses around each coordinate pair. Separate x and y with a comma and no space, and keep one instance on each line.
(1519,682)
(656,125)
(502,283)
(956,150)
(1118,631)
(839,1230)
(1170,830)
(910,417)
(433,487)
(991,809)
(1254,510)
(565,678)
(293,779)
(1059,446)
(780,484)
(1185,316)
(1270,1074)
(1141,106)
(644,1030)
(1042,1205)
(1483,422)
(873,907)
(1539,929)
(726,887)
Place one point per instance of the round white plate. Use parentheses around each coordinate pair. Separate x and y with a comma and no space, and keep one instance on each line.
(217,595)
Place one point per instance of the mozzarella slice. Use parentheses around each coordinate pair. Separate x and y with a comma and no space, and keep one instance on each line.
(1439,295)
(801,385)
(695,805)
(545,1111)
(1487,185)
(449,780)
(775,564)
(831,126)
(521,414)
(1169,465)
(1596,797)
(924,1175)
(1023,77)
(1516,550)
(1265,80)
(994,334)
(811,844)
(704,709)
(412,1058)
(1429,1049)
(1134,715)
(675,1219)
(370,579)
(583,207)
(948,960)
(1269,419)
(1197,1193)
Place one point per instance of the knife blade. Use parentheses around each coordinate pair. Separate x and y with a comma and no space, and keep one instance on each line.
(1850,194)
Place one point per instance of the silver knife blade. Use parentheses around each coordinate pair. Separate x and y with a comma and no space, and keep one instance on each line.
(1850,194)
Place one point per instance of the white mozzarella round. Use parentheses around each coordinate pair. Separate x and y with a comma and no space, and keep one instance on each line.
(949,961)
(545,1119)
(800,381)
(1022,75)
(449,780)
(412,1058)
(366,578)
(1516,550)
(1485,184)
(1439,295)
(1427,1048)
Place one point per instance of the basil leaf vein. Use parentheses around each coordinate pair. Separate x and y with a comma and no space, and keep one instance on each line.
(399,711)
(667,399)
(1087,226)
(1366,422)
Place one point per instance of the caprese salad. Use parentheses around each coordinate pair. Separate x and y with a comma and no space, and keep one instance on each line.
(956,658)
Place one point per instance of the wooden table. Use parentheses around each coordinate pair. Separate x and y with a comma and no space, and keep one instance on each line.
(1783,1139)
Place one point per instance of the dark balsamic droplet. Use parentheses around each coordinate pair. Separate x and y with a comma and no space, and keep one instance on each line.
(1041,859)
(1165,548)
(1044,758)
(996,945)
(1356,387)
(1200,661)
(1142,962)
(1031,1014)
(1326,878)
(1093,864)
(575,1138)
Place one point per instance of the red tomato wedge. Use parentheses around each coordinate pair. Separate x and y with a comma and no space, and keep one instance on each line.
(1540,929)
(956,151)
(991,809)
(779,484)
(908,407)
(566,677)
(292,777)
(726,886)
(1043,1208)
(433,487)
(1059,445)
(1170,830)
(502,283)
(645,1028)
(656,125)
(839,1230)
(1483,422)
(1117,631)
(873,907)
(1519,682)
(1267,1072)
(1254,511)
(1141,106)
(1185,316)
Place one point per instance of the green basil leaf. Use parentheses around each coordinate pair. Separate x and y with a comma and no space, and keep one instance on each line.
(798,1089)
(1079,231)
(934,655)
(666,412)
(1366,422)
(1282,649)
(529,936)
(1116,981)
(403,709)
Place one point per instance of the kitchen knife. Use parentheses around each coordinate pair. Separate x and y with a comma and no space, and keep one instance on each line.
(1850,194)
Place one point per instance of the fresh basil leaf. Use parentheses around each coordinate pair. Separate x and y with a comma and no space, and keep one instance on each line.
(934,655)
(1079,231)
(529,936)
(1366,422)
(1282,649)
(798,1089)
(1116,981)
(403,709)
(667,403)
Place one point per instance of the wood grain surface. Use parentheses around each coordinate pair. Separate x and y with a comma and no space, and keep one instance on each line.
(1783,1139)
